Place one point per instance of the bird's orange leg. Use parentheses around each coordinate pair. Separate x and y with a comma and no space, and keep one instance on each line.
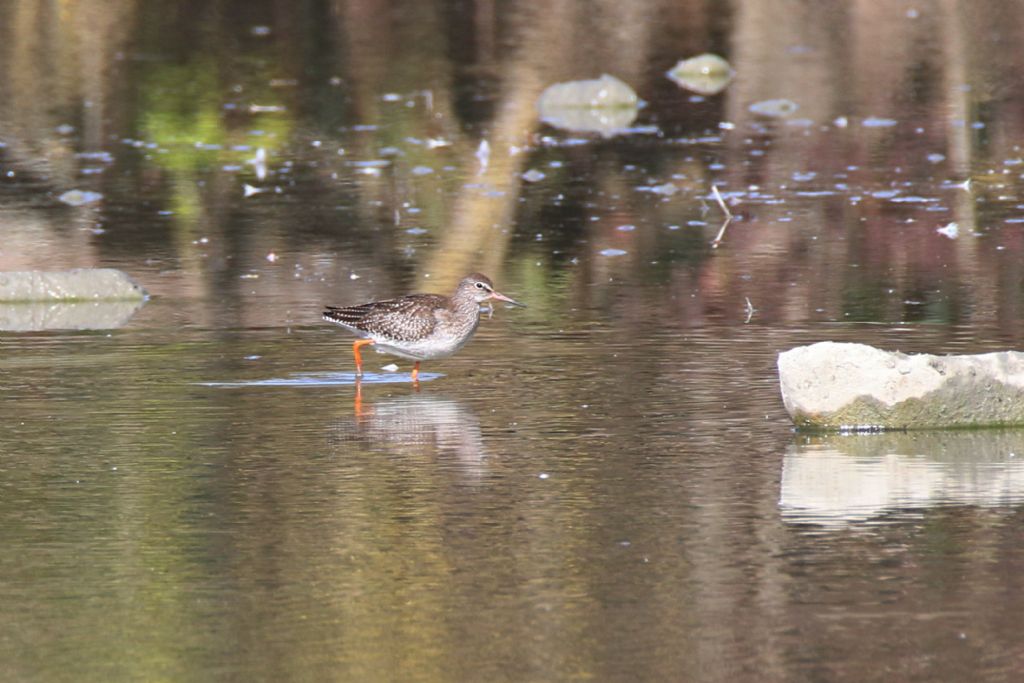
(356,354)
(416,373)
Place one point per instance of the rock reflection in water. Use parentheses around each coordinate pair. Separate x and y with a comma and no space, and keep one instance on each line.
(420,426)
(86,315)
(839,480)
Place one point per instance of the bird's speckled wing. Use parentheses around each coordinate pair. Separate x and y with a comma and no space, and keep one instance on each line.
(409,318)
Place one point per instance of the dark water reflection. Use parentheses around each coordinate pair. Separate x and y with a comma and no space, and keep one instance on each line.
(603,486)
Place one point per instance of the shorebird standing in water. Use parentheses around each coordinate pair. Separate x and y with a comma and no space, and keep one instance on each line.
(418,327)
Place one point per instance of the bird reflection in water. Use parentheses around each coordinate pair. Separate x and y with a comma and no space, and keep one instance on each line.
(418,425)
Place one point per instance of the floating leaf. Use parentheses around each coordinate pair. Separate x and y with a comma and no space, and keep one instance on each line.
(80,197)
(778,108)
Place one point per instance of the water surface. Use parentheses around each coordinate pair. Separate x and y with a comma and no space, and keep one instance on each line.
(603,486)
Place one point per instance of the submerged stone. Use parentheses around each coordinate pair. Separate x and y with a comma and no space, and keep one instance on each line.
(706,74)
(840,386)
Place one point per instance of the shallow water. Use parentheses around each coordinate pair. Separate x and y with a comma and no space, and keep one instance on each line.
(602,486)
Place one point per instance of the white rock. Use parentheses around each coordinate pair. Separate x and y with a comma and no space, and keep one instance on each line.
(853,386)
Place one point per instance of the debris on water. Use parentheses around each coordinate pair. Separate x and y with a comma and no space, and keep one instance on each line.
(259,163)
(105,157)
(777,108)
(935,157)
(80,197)
(665,189)
(707,74)
(272,257)
(252,357)
(390,367)
(728,217)
(914,199)
(434,143)
(533,176)
(613,252)
(266,108)
(249,190)
(950,230)
(841,122)
(543,475)
(604,105)
(483,155)
(877,122)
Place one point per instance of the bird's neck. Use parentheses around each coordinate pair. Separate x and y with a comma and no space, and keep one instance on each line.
(466,306)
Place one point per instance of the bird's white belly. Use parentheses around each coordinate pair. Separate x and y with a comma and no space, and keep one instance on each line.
(422,350)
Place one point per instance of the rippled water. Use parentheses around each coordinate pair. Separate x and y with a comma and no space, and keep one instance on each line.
(603,486)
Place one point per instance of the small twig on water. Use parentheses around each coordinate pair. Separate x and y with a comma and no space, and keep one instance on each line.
(750,309)
(721,202)
(728,217)
(721,233)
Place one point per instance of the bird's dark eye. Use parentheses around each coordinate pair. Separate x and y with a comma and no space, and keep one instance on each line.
(479,285)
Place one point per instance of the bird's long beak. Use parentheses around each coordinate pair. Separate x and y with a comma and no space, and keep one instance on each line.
(501,297)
